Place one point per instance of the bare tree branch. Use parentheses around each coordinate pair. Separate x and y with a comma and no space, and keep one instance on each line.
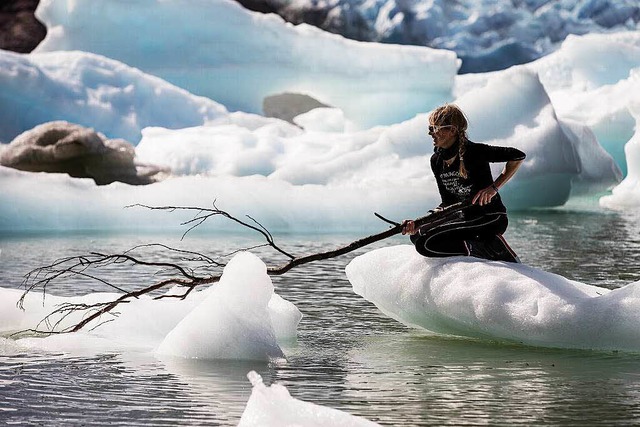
(204,214)
(77,266)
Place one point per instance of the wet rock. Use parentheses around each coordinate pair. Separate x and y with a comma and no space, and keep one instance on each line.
(62,147)
(286,106)
(20,31)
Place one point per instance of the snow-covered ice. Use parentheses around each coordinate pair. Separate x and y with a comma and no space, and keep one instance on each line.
(239,318)
(233,321)
(92,91)
(495,300)
(273,406)
(236,57)
(627,194)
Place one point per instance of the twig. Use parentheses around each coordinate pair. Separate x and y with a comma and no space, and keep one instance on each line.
(70,266)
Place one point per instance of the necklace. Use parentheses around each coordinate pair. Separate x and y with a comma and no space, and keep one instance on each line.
(450,161)
(451,153)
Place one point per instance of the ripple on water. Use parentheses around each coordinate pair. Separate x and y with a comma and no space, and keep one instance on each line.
(348,355)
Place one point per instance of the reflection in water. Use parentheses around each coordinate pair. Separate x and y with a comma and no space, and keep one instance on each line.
(601,249)
(222,386)
(348,355)
(457,381)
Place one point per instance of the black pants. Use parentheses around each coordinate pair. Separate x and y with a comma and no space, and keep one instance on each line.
(450,238)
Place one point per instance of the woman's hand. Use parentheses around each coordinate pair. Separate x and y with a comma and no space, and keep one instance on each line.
(484,196)
(409,227)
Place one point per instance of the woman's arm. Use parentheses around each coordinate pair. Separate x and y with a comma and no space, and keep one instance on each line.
(507,173)
(485,195)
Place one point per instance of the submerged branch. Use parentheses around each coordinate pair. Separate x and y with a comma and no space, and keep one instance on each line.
(186,278)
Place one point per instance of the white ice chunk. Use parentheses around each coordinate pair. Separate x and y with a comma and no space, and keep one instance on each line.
(323,120)
(244,319)
(92,91)
(233,321)
(273,406)
(278,205)
(523,116)
(496,300)
(590,80)
(284,316)
(627,194)
(37,305)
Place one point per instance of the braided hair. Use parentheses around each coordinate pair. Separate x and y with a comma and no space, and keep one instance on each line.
(452,115)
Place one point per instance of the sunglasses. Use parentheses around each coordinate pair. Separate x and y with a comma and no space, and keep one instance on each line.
(434,129)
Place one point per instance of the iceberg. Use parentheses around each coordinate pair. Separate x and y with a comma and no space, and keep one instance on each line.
(93,91)
(522,115)
(240,318)
(233,321)
(273,406)
(237,57)
(599,97)
(496,301)
(318,173)
(582,90)
(626,195)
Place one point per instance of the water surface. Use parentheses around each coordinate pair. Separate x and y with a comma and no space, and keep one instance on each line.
(348,355)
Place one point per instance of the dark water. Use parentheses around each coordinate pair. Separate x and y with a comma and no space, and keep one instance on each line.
(348,355)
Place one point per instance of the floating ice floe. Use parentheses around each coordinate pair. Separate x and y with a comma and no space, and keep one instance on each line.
(273,406)
(627,194)
(497,301)
(240,318)
(317,175)
(233,321)
(582,90)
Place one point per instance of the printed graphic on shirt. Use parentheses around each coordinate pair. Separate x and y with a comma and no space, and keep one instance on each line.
(453,183)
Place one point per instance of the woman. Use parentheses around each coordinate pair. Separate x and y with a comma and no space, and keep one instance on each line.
(462,172)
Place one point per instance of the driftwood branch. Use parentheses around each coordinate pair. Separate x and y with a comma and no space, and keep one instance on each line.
(184,275)
(203,214)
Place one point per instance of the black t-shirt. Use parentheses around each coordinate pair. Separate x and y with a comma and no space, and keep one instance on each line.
(453,188)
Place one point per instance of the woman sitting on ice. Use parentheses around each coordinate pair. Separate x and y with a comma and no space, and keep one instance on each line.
(462,172)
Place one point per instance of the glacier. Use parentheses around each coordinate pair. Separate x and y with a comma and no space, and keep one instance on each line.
(487,35)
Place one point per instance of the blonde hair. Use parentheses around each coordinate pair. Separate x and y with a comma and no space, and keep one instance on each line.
(452,115)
